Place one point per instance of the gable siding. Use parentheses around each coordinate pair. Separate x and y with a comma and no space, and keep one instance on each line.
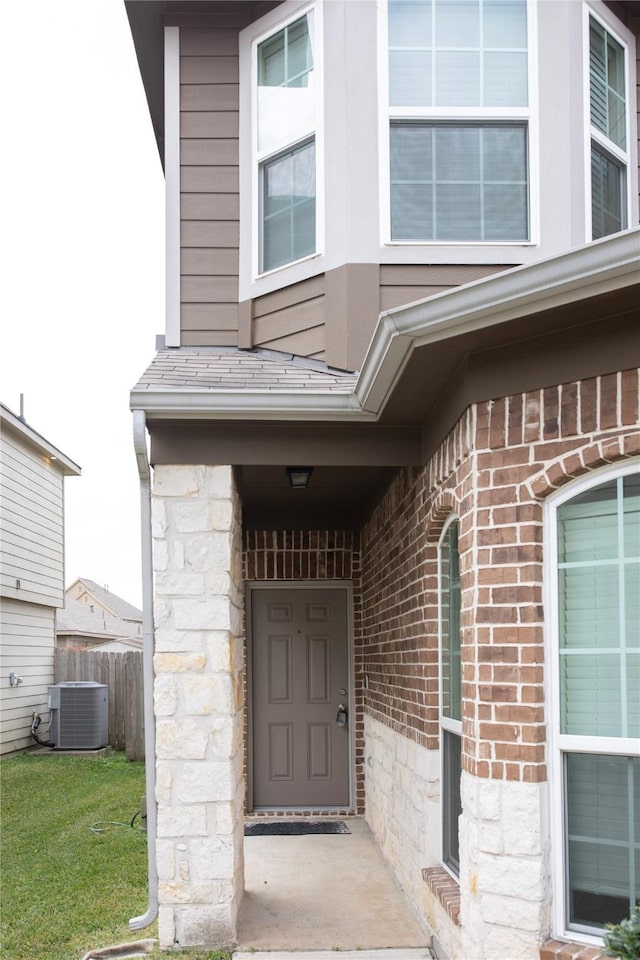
(400,284)
(292,319)
(209,208)
(31,526)
(28,640)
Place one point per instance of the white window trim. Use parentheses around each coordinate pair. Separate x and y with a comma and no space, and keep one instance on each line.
(444,723)
(172,184)
(527,115)
(279,19)
(558,743)
(626,158)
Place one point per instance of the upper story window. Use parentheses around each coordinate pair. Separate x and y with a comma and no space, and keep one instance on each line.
(450,692)
(595,671)
(609,131)
(286,120)
(458,118)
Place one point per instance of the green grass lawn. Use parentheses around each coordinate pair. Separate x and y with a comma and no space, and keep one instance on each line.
(65,888)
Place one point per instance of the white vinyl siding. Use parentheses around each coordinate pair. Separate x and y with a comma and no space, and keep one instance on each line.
(595,535)
(31,525)
(28,643)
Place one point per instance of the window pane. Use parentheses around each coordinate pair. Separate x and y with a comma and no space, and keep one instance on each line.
(478,49)
(450,623)
(288,206)
(505,79)
(457,79)
(599,611)
(479,181)
(451,801)
(607,191)
(607,84)
(504,24)
(602,835)
(286,90)
(410,78)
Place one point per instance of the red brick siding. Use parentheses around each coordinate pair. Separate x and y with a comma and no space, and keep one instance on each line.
(495,470)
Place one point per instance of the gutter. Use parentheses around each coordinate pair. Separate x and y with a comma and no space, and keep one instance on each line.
(144,470)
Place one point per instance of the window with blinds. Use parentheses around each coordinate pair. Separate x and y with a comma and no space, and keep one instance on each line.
(608,113)
(458,120)
(450,691)
(286,150)
(598,600)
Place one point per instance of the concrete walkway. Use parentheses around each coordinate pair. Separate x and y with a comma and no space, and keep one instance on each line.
(324,893)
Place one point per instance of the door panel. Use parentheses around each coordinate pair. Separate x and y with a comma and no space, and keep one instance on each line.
(300,666)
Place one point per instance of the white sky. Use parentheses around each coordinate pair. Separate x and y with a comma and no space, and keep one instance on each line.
(82,288)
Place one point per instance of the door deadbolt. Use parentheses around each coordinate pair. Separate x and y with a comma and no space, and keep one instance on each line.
(341,717)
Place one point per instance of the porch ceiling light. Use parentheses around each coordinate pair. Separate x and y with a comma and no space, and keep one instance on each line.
(299,476)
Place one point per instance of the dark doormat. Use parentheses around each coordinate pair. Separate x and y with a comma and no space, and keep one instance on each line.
(294,828)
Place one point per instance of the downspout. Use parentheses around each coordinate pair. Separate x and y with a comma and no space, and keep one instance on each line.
(144,469)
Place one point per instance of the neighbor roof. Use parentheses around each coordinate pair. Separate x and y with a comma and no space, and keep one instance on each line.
(79,619)
(118,607)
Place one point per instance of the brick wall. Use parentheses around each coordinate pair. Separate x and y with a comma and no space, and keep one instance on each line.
(495,470)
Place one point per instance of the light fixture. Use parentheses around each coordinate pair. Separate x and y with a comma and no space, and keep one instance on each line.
(299,476)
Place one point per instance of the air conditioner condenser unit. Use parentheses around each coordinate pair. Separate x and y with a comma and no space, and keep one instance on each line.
(79,715)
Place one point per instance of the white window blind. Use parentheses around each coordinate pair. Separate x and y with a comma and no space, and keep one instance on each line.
(598,582)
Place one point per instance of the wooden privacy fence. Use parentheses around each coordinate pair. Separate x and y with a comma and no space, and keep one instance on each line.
(122,673)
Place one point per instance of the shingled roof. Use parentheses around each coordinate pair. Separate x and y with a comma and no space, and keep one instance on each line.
(111,601)
(228,370)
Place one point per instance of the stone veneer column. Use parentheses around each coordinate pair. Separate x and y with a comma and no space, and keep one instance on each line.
(198,703)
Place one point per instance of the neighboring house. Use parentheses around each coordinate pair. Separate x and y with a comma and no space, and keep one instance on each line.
(31,572)
(395,444)
(90,593)
(81,625)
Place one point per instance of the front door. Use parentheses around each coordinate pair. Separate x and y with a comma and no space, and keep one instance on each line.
(300,677)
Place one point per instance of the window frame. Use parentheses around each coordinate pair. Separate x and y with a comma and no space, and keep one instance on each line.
(559,743)
(594,136)
(281,18)
(446,724)
(525,116)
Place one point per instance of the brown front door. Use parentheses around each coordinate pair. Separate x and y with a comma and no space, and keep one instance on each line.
(300,676)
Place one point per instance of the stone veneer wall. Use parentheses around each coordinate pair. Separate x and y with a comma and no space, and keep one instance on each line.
(316,555)
(494,470)
(198,703)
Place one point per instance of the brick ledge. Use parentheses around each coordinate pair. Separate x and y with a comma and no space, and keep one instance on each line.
(445,889)
(567,950)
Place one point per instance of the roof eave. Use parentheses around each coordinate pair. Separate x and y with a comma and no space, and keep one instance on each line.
(247,405)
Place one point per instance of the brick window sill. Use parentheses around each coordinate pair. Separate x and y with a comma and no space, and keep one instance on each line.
(566,950)
(446,890)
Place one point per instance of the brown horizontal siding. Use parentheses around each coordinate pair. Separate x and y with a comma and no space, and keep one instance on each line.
(209,207)
(408,282)
(292,319)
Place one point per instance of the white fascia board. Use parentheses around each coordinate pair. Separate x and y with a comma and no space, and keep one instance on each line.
(605,265)
(37,442)
(267,405)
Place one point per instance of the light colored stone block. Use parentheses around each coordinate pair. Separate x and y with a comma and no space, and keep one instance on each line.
(205,695)
(210,552)
(164,781)
(503,944)
(191,516)
(205,926)
(185,893)
(177,584)
(166,927)
(511,876)
(158,518)
(165,859)
(218,483)
(177,480)
(179,662)
(213,859)
(218,646)
(222,515)
(512,912)
(160,555)
(209,614)
(182,821)
(165,696)
(204,782)
(180,739)
(169,640)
